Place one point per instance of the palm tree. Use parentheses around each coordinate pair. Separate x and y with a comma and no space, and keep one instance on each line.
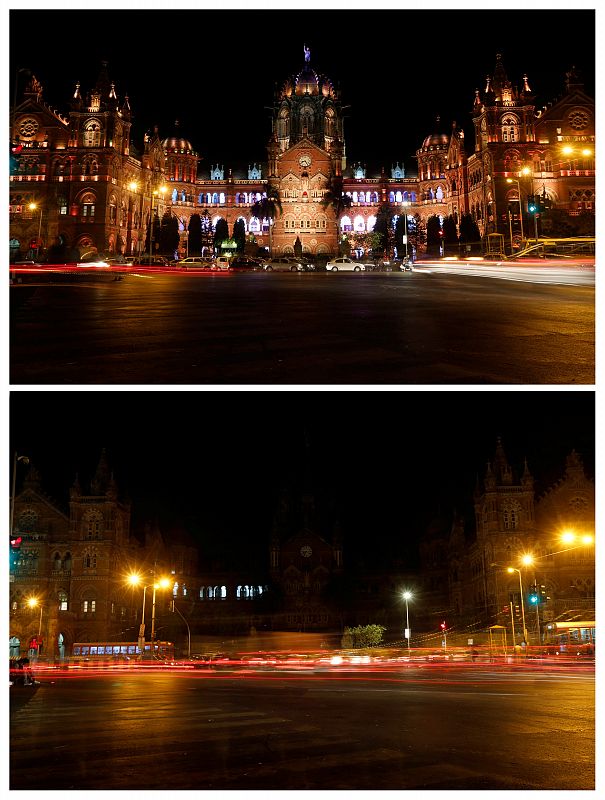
(268,207)
(338,201)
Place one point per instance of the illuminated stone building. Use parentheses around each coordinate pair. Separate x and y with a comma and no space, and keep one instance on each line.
(91,187)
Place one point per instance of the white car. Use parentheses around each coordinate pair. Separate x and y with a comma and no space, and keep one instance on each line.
(344,263)
(195,262)
(283,264)
(221,262)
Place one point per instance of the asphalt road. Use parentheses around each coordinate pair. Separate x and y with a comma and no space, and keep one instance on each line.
(432,728)
(431,326)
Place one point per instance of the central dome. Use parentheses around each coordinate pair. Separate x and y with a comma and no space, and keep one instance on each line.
(176,143)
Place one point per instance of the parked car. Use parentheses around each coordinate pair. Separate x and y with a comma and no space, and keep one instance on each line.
(194,262)
(245,264)
(344,263)
(150,261)
(221,262)
(283,264)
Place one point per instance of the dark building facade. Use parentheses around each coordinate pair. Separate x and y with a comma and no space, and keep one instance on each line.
(76,562)
(76,176)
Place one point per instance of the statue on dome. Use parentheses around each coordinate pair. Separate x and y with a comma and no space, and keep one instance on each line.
(307,54)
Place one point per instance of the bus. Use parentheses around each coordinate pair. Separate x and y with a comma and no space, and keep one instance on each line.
(121,651)
(569,636)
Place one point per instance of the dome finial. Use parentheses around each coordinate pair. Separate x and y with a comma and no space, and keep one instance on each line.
(307,54)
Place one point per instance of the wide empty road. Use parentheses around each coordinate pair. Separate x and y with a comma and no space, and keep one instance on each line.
(431,326)
(417,728)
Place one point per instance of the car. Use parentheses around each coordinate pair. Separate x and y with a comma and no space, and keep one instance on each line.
(118,261)
(345,263)
(193,262)
(283,264)
(220,262)
(245,264)
(150,261)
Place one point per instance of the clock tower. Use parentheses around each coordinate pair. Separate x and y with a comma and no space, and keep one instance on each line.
(306,152)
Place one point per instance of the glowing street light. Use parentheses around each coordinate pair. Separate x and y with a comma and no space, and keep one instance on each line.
(408,634)
(32,603)
(570,537)
(518,571)
(134,579)
(33,207)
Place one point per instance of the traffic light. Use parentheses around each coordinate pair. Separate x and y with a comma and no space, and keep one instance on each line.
(443,625)
(534,598)
(544,598)
(532,205)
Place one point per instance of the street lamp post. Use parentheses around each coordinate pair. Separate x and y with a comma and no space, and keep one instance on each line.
(155,193)
(32,603)
(514,180)
(405,204)
(134,579)
(33,207)
(528,561)
(518,571)
(163,583)
(174,608)
(133,186)
(408,634)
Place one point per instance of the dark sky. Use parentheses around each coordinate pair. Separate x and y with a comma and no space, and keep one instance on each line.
(214,462)
(215,70)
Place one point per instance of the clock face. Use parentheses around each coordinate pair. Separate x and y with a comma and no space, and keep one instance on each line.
(304,161)
(305,551)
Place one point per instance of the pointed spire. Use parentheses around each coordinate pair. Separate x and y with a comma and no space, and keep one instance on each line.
(100,481)
(112,92)
(527,479)
(526,85)
(76,489)
(477,101)
(77,95)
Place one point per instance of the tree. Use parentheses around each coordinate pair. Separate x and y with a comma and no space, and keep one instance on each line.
(156,226)
(416,234)
(268,207)
(450,235)
(433,238)
(207,232)
(169,235)
(221,233)
(384,226)
(195,235)
(239,234)
(470,235)
(336,200)
(363,636)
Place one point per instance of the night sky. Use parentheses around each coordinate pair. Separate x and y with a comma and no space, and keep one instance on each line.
(215,70)
(214,463)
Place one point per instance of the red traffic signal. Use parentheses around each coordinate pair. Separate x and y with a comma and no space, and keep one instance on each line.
(443,625)
(16,542)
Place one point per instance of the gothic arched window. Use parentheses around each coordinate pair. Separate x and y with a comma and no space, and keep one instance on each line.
(510,128)
(92,134)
